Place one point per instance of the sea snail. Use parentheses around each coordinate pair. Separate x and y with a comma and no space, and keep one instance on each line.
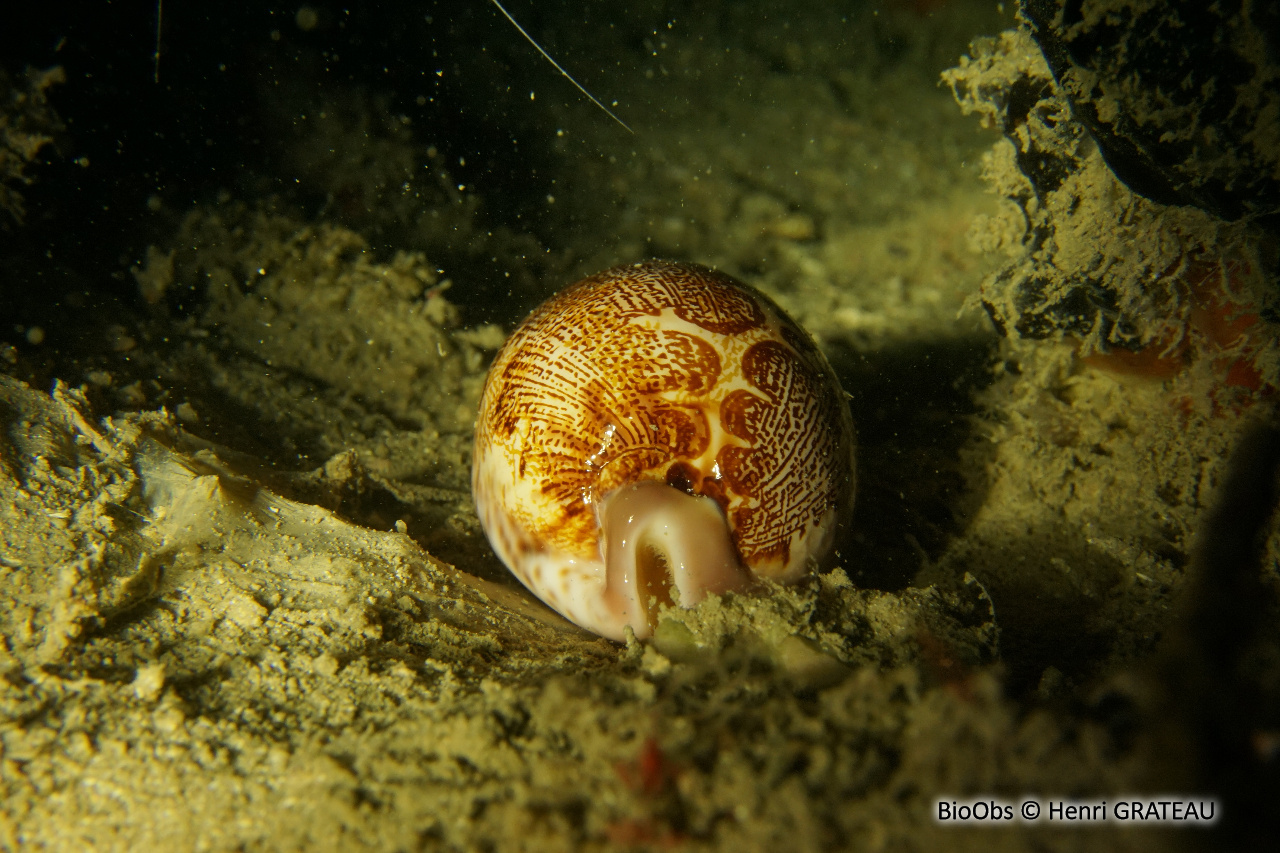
(655,433)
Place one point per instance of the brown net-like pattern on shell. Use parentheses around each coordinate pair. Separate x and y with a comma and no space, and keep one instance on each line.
(793,434)
(588,399)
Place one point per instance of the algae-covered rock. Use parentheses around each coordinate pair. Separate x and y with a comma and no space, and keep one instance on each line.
(1183,97)
(28,124)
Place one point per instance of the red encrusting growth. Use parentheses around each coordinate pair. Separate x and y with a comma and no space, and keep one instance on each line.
(651,777)
(1221,323)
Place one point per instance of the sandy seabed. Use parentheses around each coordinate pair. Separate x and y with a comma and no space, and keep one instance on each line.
(245,603)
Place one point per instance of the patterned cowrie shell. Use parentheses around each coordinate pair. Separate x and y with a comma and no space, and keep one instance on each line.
(655,433)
